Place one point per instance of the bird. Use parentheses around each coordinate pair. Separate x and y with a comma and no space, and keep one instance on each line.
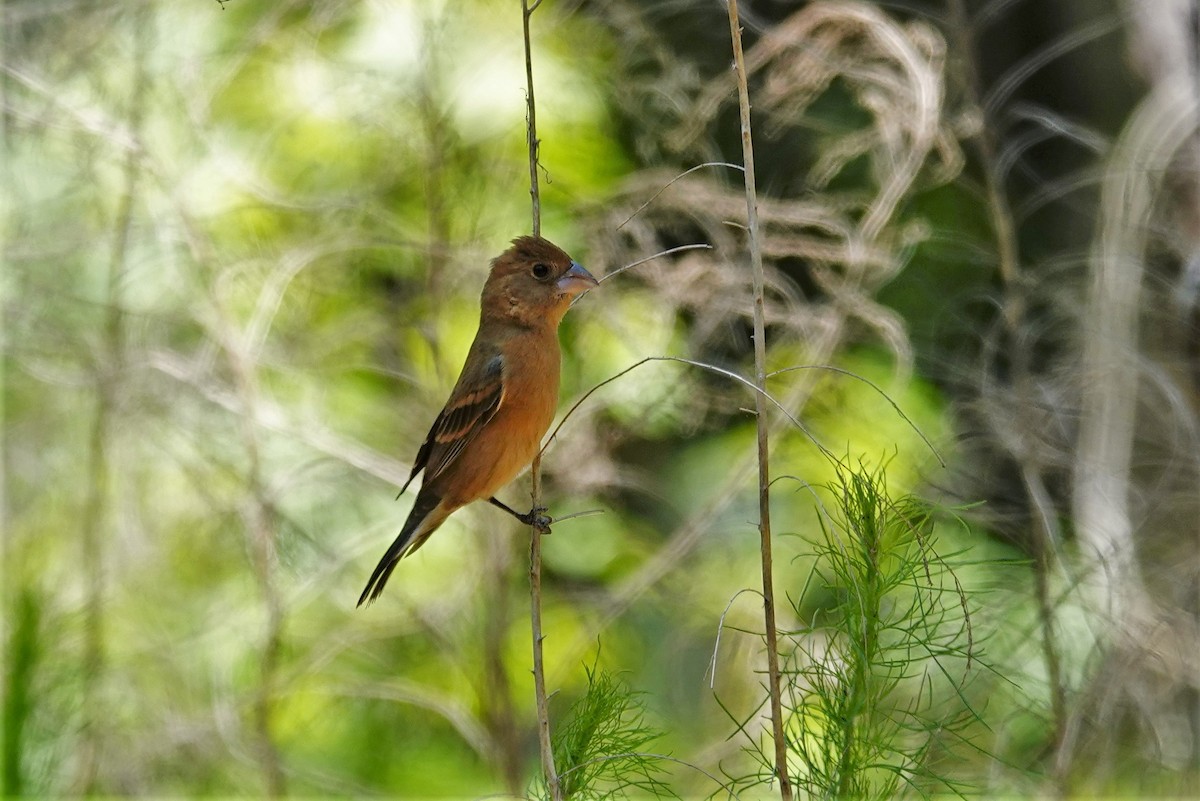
(504,400)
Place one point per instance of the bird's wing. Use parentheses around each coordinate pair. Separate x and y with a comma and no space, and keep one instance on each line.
(422,456)
(474,402)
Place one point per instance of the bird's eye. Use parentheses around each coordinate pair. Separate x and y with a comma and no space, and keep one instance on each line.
(541,271)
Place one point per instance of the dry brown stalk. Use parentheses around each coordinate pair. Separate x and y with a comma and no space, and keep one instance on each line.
(760,410)
(545,745)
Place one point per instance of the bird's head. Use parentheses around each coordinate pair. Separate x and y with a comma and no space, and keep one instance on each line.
(533,283)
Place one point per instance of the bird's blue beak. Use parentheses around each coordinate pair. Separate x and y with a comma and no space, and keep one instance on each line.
(575,281)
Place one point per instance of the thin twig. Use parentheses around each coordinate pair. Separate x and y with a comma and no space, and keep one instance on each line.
(712,368)
(760,406)
(667,185)
(545,744)
(712,663)
(851,374)
(575,515)
(668,252)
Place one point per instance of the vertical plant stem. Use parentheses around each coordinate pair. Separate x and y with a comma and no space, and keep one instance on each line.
(1043,570)
(531,137)
(6,224)
(760,408)
(864,597)
(498,710)
(100,457)
(436,144)
(1193,606)
(260,520)
(545,744)
(1013,312)
(14,711)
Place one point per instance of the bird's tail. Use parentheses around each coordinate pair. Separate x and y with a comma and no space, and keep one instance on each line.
(426,515)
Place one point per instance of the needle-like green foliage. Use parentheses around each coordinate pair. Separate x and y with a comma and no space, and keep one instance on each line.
(875,680)
(600,749)
(864,721)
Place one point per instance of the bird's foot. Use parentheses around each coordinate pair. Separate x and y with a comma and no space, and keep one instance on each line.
(537,518)
(534,517)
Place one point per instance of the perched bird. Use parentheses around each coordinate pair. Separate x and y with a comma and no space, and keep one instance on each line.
(492,425)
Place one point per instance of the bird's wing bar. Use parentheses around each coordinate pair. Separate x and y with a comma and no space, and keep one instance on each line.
(472,404)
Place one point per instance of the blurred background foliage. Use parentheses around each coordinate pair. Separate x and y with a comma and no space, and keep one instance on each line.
(242,244)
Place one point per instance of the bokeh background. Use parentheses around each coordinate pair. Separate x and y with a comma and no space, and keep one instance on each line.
(241,249)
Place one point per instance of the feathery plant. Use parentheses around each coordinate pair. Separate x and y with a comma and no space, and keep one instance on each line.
(599,750)
(862,690)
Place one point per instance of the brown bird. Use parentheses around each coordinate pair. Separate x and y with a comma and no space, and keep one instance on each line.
(505,398)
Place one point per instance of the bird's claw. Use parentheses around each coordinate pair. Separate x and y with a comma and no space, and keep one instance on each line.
(537,518)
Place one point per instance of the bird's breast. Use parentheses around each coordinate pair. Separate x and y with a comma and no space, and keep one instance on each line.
(510,440)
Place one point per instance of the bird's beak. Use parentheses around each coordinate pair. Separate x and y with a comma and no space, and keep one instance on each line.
(575,281)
